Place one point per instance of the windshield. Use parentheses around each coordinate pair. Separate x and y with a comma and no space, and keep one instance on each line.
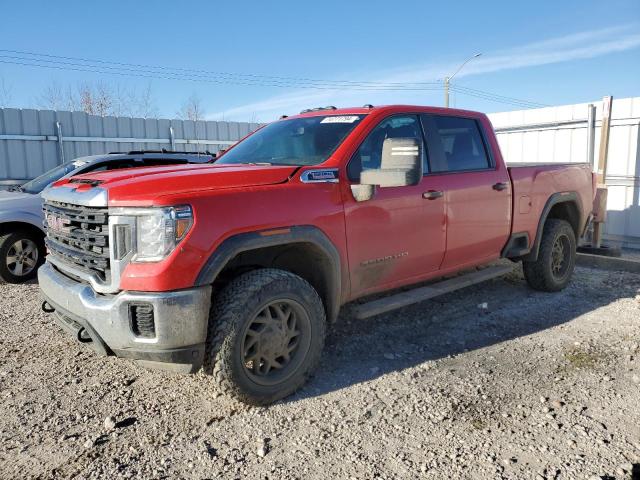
(299,141)
(39,183)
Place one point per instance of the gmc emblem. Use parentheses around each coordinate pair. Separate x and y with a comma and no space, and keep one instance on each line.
(57,224)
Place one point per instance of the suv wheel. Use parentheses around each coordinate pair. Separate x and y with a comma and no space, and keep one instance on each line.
(266,333)
(21,253)
(553,269)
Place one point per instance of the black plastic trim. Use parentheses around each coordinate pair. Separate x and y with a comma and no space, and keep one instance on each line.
(512,249)
(76,326)
(192,355)
(555,199)
(244,242)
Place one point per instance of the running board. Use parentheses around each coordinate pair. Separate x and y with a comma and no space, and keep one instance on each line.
(419,294)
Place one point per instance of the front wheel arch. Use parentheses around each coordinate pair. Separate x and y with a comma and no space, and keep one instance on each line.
(261,249)
(15,226)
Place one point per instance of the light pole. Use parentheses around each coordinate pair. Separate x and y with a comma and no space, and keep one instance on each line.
(448,79)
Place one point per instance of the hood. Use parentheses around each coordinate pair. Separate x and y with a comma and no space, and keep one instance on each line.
(16,199)
(142,186)
(8,196)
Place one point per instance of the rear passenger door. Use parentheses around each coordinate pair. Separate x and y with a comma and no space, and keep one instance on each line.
(477,189)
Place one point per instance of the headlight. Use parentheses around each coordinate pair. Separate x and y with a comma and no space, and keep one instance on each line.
(158,230)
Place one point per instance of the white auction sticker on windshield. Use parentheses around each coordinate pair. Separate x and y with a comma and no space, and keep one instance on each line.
(79,163)
(341,119)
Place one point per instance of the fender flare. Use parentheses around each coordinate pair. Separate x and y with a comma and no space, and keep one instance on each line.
(244,242)
(23,216)
(553,200)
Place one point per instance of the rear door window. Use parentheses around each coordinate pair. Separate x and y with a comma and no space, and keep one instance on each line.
(462,147)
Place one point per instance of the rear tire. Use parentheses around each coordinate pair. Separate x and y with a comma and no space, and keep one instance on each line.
(21,253)
(553,269)
(266,334)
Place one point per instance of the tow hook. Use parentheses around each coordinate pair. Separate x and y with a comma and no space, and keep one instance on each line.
(47,308)
(83,336)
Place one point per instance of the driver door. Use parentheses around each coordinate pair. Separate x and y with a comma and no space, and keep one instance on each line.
(398,236)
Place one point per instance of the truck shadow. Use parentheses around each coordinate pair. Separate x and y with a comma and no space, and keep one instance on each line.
(358,351)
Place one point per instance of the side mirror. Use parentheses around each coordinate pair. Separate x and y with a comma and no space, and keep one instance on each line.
(401,165)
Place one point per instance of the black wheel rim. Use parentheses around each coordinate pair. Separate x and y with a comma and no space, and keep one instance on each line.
(275,341)
(22,257)
(560,257)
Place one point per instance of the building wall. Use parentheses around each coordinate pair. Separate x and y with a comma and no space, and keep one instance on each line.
(559,134)
(29,142)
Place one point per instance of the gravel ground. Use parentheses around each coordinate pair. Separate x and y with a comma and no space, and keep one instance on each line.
(531,385)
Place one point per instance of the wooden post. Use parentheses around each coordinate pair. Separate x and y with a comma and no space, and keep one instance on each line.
(600,202)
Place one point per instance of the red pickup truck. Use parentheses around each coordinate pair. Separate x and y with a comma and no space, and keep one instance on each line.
(239,267)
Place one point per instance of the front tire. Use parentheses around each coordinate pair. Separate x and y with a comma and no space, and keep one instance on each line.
(21,253)
(553,269)
(266,334)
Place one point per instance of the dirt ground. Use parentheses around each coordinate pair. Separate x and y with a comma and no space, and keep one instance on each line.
(534,385)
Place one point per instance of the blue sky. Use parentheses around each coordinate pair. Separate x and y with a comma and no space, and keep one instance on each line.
(547,52)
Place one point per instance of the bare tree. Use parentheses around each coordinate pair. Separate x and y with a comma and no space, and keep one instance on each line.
(99,99)
(55,97)
(5,93)
(146,103)
(120,102)
(192,109)
(96,99)
(131,102)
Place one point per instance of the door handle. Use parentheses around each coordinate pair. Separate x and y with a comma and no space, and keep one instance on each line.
(500,186)
(432,194)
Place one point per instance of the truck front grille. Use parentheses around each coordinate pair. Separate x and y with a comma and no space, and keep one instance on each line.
(78,236)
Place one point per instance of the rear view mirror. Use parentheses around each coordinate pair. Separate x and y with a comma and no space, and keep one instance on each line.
(401,164)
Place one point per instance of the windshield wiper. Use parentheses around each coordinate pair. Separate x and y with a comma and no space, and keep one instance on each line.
(257,163)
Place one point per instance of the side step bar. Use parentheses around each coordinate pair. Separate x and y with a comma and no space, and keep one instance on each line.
(419,294)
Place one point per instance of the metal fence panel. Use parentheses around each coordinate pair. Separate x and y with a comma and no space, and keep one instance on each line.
(29,142)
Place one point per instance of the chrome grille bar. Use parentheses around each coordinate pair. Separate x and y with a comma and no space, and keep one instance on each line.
(79,235)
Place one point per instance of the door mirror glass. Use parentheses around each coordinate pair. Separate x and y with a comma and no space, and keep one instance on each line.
(400,164)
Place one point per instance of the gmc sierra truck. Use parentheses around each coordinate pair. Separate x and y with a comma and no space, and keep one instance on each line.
(238,268)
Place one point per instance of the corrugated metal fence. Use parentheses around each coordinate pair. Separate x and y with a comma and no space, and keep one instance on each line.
(561,134)
(34,141)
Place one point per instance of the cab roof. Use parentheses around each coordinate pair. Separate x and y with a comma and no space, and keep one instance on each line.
(368,109)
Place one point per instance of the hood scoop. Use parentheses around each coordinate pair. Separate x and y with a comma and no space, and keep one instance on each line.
(86,181)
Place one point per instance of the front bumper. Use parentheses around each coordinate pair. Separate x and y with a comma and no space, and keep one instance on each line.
(104,321)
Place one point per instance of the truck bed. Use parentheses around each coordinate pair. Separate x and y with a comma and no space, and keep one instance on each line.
(534,184)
